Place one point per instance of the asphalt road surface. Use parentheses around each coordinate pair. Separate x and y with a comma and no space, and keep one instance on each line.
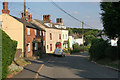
(74,66)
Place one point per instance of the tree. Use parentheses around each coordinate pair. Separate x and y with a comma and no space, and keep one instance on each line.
(111,18)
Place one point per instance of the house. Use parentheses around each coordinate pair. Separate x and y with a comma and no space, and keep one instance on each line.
(77,39)
(13,26)
(71,41)
(54,35)
(64,33)
(102,35)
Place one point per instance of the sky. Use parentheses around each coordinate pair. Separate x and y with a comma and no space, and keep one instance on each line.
(88,12)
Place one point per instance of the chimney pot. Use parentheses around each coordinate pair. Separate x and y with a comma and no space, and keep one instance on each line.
(46,18)
(5,8)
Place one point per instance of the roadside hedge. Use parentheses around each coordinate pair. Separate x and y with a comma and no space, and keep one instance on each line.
(8,51)
(102,49)
(97,49)
(76,48)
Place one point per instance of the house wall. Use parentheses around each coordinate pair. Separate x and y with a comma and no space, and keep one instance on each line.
(29,39)
(55,38)
(64,37)
(14,29)
(79,41)
(70,41)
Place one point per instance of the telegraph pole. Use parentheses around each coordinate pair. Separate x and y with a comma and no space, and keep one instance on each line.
(83,34)
(24,28)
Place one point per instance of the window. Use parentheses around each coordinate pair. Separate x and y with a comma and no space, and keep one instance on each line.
(43,33)
(36,46)
(66,36)
(63,36)
(40,33)
(28,31)
(47,47)
(59,36)
(28,47)
(50,36)
(35,32)
(50,47)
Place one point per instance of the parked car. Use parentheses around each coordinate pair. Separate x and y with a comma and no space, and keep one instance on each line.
(59,52)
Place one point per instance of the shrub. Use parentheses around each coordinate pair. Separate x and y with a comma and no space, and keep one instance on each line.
(8,52)
(76,48)
(111,53)
(97,49)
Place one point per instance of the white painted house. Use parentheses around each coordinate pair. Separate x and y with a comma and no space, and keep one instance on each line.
(102,35)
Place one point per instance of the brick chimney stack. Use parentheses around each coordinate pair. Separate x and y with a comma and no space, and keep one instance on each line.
(75,33)
(30,17)
(59,21)
(46,18)
(5,8)
(26,15)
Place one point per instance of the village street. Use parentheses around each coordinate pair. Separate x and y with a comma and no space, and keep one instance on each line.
(73,66)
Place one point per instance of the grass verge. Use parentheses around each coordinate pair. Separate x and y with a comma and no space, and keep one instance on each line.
(110,63)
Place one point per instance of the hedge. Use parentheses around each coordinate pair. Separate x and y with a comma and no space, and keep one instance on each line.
(102,49)
(8,51)
(97,49)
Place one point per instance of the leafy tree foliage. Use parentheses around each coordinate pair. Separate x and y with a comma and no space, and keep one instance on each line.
(89,34)
(111,18)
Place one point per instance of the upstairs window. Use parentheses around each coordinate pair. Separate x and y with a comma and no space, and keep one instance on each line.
(43,33)
(66,36)
(35,32)
(59,36)
(50,36)
(28,31)
(40,33)
(63,36)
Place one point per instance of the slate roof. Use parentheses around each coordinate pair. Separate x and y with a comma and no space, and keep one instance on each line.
(53,24)
(28,24)
(100,33)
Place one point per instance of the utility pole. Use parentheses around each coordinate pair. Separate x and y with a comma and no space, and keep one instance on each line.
(24,28)
(83,34)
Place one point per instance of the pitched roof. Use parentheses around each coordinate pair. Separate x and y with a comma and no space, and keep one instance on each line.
(28,24)
(100,33)
(75,36)
(53,24)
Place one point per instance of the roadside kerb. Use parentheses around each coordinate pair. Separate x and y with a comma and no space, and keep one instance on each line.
(106,66)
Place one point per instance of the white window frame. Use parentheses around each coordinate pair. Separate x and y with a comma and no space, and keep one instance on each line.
(66,36)
(28,31)
(35,32)
(40,33)
(43,33)
(29,47)
(63,36)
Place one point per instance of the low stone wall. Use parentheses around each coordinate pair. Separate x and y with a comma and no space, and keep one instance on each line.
(18,54)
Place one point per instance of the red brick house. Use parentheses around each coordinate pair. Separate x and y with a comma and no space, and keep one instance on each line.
(13,26)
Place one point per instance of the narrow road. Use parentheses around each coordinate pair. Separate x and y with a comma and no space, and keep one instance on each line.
(74,66)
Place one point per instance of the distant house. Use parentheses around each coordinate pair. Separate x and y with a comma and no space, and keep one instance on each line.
(13,26)
(102,35)
(75,39)
(56,34)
